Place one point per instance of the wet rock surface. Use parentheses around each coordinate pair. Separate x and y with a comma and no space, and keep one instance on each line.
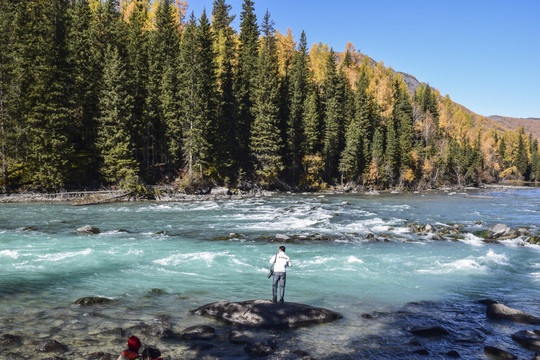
(502,312)
(265,314)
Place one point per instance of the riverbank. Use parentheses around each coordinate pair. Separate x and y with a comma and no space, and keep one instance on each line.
(171,194)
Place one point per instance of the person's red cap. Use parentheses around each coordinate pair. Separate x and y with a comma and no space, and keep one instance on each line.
(134,343)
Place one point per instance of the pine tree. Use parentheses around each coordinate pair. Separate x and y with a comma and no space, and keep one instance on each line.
(353,158)
(265,136)
(7,128)
(403,122)
(226,139)
(86,75)
(333,91)
(245,82)
(521,159)
(114,137)
(199,93)
(42,72)
(137,70)
(311,121)
(299,86)
(162,114)
(208,92)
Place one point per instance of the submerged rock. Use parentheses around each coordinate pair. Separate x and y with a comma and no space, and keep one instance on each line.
(87,229)
(92,300)
(9,340)
(528,339)
(502,312)
(258,349)
(199,332)
(429,331)
(49,346)
(498,354)
(265,314)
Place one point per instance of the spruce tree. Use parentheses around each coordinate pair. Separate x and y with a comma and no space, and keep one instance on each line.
(137,70)
(114,136)
(298,87)
(42,73)
(353,158)
(265,136)
(162,130)
(334,93)
(226,139)
(521,159)
(85,72)
(312,124)
(7,128)
(244,86)
(198,98)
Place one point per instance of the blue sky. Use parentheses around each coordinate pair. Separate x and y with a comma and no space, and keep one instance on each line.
(484,54)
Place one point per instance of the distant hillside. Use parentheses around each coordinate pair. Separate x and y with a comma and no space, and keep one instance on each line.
(531,125)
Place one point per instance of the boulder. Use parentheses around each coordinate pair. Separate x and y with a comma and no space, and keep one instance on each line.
(503,312)
(429,228)
(199,332)
(87,229)
(496,353)
(220,191)
(265,314)
(49,346)
(502,231)
(92,300)
(528,339)
(282,238)
(429,331)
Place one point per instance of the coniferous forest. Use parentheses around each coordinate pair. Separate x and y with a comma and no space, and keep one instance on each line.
(132,93)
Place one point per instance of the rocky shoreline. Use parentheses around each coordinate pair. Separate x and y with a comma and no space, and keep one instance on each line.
(417,334)
(171,194)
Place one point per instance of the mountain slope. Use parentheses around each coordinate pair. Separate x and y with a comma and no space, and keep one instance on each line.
(531,125)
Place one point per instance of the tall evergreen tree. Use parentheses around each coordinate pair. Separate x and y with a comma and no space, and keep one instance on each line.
(7,13)
(42,72)
(226,139)
(299,87)
(245,82)
(521,158)
(199,93)
(137,70)
(312,124)
(334,93)
(114,137)
(162,115)
(353,159)
(265,135)
(86,76)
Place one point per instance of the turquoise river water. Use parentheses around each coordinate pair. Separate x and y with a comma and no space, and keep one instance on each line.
(196,252)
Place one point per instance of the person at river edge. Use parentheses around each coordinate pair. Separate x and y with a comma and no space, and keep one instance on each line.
(281,262)
(132,352)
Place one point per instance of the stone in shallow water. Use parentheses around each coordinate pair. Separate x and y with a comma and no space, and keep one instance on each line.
(429,331)
(503,312)
(528,339)
(265,314)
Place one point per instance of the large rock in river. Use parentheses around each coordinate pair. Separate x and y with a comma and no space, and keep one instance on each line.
(502,312)
(265,314)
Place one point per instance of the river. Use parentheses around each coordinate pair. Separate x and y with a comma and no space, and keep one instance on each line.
(351,253)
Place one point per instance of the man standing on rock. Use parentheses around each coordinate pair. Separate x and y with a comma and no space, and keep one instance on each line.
(281,262)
